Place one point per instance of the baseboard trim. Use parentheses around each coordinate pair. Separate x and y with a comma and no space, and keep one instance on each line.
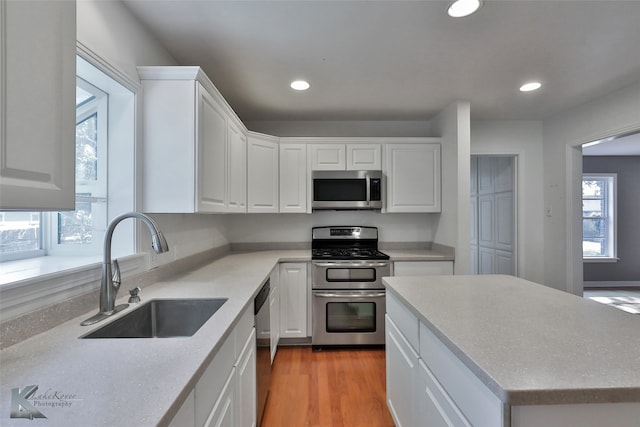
(611,284)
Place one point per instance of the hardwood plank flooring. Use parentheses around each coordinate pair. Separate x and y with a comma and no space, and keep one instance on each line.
(330,388)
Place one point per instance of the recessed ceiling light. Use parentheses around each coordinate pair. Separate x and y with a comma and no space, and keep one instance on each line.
(530,86)
(300,85)
(460,8)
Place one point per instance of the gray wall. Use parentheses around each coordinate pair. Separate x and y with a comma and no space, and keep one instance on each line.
(628,170)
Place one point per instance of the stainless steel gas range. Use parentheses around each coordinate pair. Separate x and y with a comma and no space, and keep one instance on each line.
(348,298)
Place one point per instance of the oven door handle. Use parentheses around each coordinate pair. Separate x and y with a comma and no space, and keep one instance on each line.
(349,294)
(351,265)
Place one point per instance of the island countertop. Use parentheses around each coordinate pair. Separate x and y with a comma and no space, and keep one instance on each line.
(528,343)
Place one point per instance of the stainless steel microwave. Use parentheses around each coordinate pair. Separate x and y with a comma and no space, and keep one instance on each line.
(347,190)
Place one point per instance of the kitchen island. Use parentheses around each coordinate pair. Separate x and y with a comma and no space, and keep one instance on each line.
(502,351)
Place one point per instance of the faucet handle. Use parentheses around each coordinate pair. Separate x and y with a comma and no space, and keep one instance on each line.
(116,274)
(134,298)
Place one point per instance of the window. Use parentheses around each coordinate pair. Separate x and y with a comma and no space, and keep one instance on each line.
(599,217)
(80,233)
(33,234)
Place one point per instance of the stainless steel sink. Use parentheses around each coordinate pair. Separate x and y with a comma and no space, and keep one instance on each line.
(161,318)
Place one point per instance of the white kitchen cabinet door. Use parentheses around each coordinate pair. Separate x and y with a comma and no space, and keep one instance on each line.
(211,154)
(246,396)
(185,417)
(262,170)
(188,142)
(224,412)
(293,178)
(331,157)
(364,157)
(433,406)
(38,85)
(293,300)
(237,167)
(402,374)
(274,315)
(413,177)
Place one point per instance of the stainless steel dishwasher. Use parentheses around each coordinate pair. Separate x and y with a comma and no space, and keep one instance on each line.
(263,350)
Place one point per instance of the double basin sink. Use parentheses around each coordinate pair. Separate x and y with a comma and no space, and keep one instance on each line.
(161,318)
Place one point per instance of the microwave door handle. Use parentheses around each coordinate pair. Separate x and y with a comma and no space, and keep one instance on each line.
(368,184)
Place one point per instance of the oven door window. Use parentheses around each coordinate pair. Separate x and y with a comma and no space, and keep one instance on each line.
(351,317)
(339,190)
(351,274)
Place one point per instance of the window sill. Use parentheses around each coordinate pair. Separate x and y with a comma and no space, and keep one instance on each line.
(595,260)
(31,284)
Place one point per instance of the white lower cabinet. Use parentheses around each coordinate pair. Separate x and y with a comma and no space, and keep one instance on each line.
(427,385)
(293,300)
(225,394)
(224,411)
(274,312)
(246,393)
(432,402)
(186,414)
(402,370)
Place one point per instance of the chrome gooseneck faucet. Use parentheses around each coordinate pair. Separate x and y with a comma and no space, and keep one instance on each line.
(111,280)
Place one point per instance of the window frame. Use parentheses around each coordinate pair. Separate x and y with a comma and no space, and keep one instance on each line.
(36,283)
(610,216)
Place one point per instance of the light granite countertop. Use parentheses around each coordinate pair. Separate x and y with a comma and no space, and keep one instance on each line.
(530,344)
(133,382)
(141,382)
(418,254)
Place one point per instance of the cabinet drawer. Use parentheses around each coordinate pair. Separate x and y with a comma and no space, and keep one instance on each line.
(434,404)
(213,380)
(243,329)
(405,320)
(478,404)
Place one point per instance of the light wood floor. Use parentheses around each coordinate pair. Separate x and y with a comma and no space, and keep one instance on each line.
(330,388)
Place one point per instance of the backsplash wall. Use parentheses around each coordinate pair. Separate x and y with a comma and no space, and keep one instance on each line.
(257,228)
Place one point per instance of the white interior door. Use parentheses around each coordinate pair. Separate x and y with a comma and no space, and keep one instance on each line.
(493,215)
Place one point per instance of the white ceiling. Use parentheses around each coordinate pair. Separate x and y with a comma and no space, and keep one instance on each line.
(401,60)
(628,145)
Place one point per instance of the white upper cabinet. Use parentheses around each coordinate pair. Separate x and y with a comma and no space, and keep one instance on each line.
(413,177)
(211,154)
(262,167)
(328,157)
(237,169)
(37,86)
(194,146)
(364,157)
(293,178)
(345,156)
